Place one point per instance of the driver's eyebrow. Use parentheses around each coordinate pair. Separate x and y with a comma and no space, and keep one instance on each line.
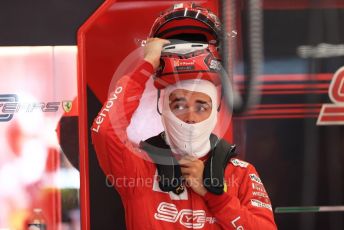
(178,99)
(203,102)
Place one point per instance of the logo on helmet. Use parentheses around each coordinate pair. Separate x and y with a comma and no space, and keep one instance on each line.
(185,64)
(215,65)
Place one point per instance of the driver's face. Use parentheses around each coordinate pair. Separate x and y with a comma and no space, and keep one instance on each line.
(189,106)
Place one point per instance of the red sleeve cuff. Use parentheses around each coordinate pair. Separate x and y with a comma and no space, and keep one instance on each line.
(216,202)
(213,197)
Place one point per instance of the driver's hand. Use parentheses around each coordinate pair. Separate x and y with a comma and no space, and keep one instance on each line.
(152,50)
(192,170)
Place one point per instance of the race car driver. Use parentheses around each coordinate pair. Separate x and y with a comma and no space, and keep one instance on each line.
(189,110)
(244,205)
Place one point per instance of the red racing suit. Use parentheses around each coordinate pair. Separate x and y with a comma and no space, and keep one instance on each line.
(245,204)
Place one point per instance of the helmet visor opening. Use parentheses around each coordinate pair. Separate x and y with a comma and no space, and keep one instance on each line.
(189,37)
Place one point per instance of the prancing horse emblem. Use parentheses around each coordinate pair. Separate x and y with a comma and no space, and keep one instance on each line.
(67,106)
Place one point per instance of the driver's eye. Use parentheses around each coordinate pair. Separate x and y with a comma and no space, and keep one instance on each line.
(179,106)
(201,108)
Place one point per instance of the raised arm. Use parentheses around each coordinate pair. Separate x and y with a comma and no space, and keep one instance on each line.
(116,154)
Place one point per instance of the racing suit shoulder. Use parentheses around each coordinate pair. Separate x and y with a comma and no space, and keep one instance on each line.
(239,163)
(245,203)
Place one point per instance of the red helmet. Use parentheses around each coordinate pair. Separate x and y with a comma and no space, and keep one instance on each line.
(184,61)
(187,21)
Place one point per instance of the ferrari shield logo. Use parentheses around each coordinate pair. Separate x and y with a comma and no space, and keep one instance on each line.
(67,106)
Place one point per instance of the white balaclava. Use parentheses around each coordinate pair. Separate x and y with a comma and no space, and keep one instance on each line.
(184,138)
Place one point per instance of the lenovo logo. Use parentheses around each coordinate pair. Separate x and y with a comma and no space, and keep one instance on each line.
(106,109)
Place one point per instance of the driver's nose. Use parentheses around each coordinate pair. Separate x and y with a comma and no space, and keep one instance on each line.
(190,117)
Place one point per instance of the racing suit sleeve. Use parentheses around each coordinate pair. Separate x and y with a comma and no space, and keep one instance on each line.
(118,157)
(251,209)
